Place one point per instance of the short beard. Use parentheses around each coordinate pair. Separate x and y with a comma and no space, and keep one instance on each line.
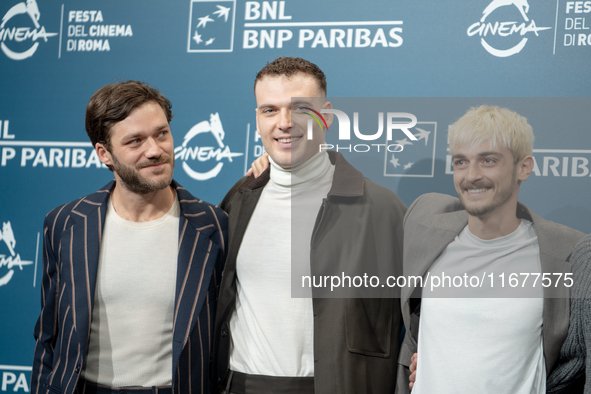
(481,212)
(134,182)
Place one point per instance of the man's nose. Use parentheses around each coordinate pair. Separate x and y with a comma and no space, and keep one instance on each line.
(153,148)
(473,173)
(285,119)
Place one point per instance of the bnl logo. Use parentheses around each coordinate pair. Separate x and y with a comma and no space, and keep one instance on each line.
(211,26)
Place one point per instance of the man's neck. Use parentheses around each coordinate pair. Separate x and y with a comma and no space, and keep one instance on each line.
(494,225)
(142,207)
(310,171)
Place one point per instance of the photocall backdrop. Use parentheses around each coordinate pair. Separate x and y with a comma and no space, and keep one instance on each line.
(432,59)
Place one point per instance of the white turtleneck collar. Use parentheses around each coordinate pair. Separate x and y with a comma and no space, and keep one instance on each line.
(314,169)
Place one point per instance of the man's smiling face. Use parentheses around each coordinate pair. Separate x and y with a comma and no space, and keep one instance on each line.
(141,150)
(486,180)
(285,136)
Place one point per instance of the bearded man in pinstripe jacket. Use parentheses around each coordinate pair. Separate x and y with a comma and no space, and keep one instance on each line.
(130,273)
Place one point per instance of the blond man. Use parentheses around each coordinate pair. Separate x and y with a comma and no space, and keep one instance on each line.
(499,342)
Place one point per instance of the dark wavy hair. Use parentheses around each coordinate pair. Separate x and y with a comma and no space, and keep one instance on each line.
(289,66)
(113,103)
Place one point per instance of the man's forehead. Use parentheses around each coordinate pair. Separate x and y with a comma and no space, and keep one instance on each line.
(483,149)
(272,81)
(135,123)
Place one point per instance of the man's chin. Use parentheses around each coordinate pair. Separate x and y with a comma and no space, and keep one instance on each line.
(473,210)
(144,187)
(477,211)
(160,169)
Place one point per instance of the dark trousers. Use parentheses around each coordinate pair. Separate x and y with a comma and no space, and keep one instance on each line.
(242,383)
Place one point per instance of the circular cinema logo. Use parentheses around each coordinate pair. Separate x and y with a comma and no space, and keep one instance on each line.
(11,260)
(203,145)
(495,36)
(19,35)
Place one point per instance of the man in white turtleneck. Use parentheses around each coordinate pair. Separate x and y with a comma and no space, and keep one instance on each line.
(291,221)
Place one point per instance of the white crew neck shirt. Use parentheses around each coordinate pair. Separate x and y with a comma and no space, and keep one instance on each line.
(131,330)
(483,345)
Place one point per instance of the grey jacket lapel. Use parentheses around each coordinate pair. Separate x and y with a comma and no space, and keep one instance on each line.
(440,230)
(555,250)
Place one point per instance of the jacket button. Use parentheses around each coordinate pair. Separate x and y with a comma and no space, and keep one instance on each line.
(77,370)
(224,332)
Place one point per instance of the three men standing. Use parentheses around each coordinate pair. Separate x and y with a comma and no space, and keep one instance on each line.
(132,272)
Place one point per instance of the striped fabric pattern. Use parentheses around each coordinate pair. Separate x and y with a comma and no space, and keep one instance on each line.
(71,246)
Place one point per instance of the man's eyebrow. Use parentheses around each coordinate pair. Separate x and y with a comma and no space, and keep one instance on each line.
(490,153)
(141,133)
(266,106)
(481,154)
(298,102)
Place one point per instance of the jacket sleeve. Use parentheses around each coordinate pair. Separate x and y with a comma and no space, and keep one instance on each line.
(46,328)
(408,346)
(573,367)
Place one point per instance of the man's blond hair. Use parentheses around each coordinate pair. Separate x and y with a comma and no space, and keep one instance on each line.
(494,125)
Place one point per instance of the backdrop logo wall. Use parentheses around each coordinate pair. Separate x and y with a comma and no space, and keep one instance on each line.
(11,260)
(17,32)
(565,163)
(197,151)
(501,32)
(211,26)
(83,24)
(269,25)
(418,157)
(15,378)
(45,153)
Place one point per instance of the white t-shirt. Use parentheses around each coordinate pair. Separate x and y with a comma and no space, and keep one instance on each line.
(483,345)
(131,331)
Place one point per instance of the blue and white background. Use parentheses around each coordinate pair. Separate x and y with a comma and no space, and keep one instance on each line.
(434,59)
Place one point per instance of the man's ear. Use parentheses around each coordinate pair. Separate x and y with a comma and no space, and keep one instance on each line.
(328,117)
(525,168)
(103,154)
(257,119)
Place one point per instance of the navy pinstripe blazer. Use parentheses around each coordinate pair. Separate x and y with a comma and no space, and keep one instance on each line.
(71,245)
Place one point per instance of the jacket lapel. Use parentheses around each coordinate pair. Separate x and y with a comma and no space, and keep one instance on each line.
(84,243)
(194,266)
(250,192)
(440,230)
(555,252)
